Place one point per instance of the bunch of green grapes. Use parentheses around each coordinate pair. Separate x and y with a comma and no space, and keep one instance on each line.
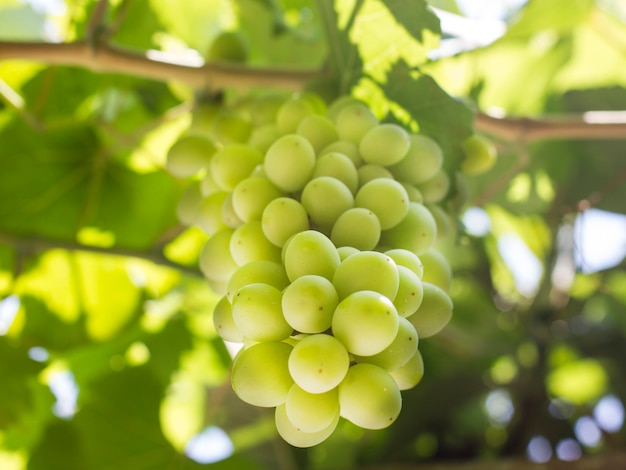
(322,226)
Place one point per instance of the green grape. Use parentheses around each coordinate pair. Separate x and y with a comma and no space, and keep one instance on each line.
(260,374)
(309,303)
(480,155)
(358,228)
(202,117)
(384,144)
(258,314)
(410,374)
(349,149)
(318,363)
(410,292)
(311,412)
(442,219)
(224,323)
(370,172)
(434,313)
(436,188)
(345,251)
(317,103)
(230,46)
(294,436)
(230,128)
(289,162)
(437,269)
(208,185)
(408,259)
(310,252)
(188,155)
(354,121)
(369,397)
(263,110)
(325,199)
(422,161)
(248,243)
(318,130)
(251,196)
(210,216)
(367,270)
(229,216)
(268,272)
(417,232)
(338,166)
(188,206)
(386,198)
(398,353)
(263,137)
(339,104)
(291,113)
(234,163)
(415,195)
(216,262)
(282,218)
(365,322)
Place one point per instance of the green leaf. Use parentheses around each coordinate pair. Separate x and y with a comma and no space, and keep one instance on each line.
(414,16)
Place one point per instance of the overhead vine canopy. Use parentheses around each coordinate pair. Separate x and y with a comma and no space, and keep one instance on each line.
(108,350)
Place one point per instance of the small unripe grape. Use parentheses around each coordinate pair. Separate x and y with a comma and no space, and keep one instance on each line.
(410,374)
(354,121)
(337,165)
(216,262)
(258,314)
(310,252)
(410,292)
(289,162)
(384,144)
(357,227)
(367,270)
(188,155)
(282,218)
(434,313)
(312,412)
(296,437)
(234,163)
(398,353)
(268,272)
(309,303)
(318,130)
(422,161)
(480,155)
(408,259)
(230,46)
(417,232)
(386,198)
(339,104)
(252,195)
(224,323)
(325,198)
(291,113)
(436,188)
(437,269)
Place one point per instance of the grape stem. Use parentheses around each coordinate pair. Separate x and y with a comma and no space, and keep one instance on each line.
(100,56)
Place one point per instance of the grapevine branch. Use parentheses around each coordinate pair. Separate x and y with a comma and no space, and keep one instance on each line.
(103,57)
(32,244)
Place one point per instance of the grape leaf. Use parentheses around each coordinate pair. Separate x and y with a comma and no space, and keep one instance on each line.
(415,16)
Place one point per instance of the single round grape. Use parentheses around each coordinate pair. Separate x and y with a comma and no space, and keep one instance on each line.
(233,163)
(370,171)
(231,46)
(354,121)
(338,166)
(251,196)
(325,199)
(294,436)
(410,374)
(291,113)
(230,128)
(229,216)
(384,144)
(421,162)
(309,303)
(258,314)
(408,259)
(436,188)
(282,218)
(437,269)
(210,215)
(410,292)
(216,262)
(318,363)
(248,243)
(289,162)
(311,412)
(357,227)
(349,149)
(310,252)
(386,198)
(434,313)
(367,270)
(268,272)
(369,397)
(260,374)
(480,155)
(365,322)
(318,130)
(401,349)
(339,104)
(417,232)
(188,155)
(188,206)
(263,137)
(224,323)
(345,251)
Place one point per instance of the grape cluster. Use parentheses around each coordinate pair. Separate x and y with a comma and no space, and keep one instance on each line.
(322,224)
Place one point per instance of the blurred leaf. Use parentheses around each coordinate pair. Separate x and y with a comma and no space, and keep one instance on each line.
(21,23)
(415,16)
